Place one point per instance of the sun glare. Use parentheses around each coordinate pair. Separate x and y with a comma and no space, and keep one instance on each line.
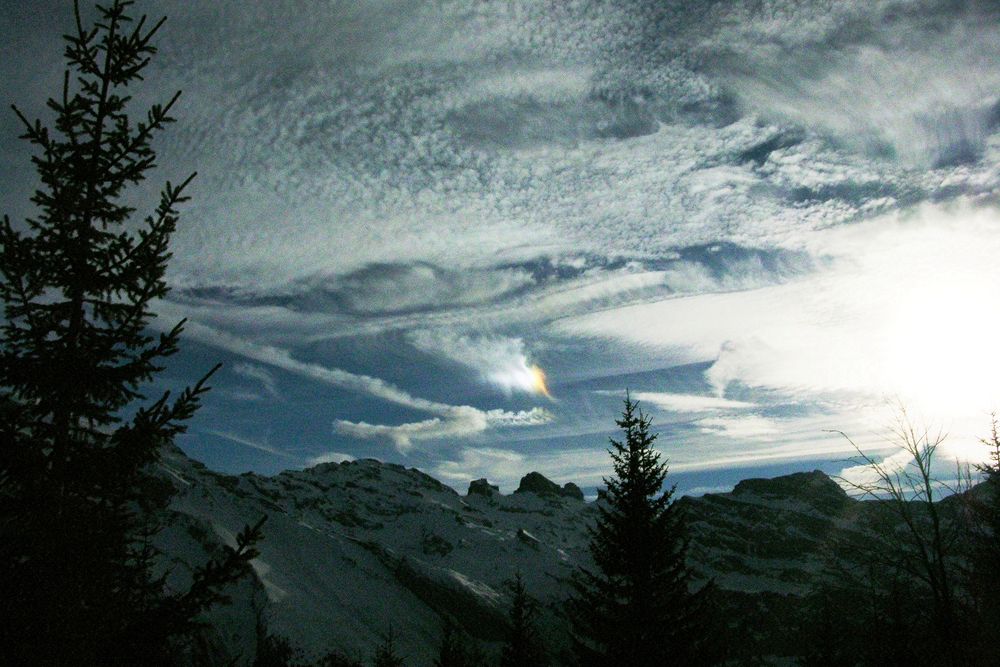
(942,353)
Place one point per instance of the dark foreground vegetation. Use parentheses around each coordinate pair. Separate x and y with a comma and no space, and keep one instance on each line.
(82,583)
(77,505)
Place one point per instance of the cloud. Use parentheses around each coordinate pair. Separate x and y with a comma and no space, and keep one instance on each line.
(341,152)
(259,374)
(897,311)
(400,288)
(543,84)
(894,282)
(456,422)
(521,175)
(377,166)
(283,359)
(403,435)
(703,490)
(924,98)
(451,421)
(493,464)
(686,402)
(747,427)
(505,467)
(547,289)
(499,360)
(328,457)
(756,454)
(891,447)
(262,446)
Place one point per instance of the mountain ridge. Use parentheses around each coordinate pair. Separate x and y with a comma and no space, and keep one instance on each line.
(354,548)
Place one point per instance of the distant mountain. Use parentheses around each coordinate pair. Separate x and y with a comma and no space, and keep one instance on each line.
(354,548)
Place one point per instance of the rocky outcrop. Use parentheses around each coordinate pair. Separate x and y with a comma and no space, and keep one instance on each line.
(814,489)
(571,490)
(540,485)
(483,488)
(475,606)
(528,538)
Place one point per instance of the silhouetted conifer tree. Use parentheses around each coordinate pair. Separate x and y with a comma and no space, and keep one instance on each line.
(385,654)
(635,607)
(984,573)
(988,551)
(272,650)
(455,649)
(523,647)
(77,282)
(451,652)
(336,659)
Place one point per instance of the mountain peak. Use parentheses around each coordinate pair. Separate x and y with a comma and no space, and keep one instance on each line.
(539,484)
(813,487)
(483,487)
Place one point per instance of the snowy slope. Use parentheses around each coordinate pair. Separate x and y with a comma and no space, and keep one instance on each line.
(352,549)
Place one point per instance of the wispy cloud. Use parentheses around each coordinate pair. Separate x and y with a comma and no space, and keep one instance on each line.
(747,427)
(455,422)
(684,402)
(260,375)
(702,490)
(259,445)
(387,289)
(505,467)
(493,464)
(501,184)
(328,457)
(925,97)
(451,421)
(499,360)
(282,358)
(898,313)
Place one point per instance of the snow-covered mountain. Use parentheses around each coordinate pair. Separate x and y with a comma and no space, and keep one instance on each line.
(356,548)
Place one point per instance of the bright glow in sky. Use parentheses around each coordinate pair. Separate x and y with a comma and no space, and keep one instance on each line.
(765,221)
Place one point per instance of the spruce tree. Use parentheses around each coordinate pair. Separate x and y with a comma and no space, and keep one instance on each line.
(78,281)
(456,650)
(635,607)
(984,557)
(522,647)
(987,510)
(385,654)
(451,652)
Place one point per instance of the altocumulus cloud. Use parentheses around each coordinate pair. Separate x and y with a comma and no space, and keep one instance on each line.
(741,185)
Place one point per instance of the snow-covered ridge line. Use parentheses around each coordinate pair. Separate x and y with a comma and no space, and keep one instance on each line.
(353,548)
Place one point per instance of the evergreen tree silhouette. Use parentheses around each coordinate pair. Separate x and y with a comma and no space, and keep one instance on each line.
(984,557)
(988,509)
(455,650)
(522,647)
(79,437)
(635,608)
(385,654)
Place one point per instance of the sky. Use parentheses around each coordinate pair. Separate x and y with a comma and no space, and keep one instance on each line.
(452,234)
